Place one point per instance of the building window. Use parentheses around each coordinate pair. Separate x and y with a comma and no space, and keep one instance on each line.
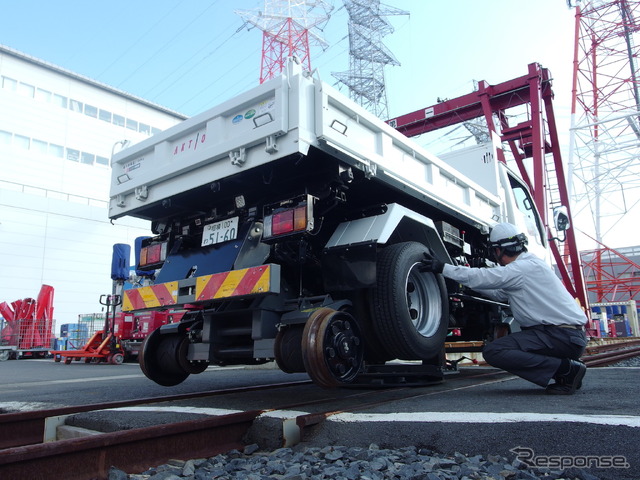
(142,128)
(132,124)
(43,95)
(105,115)
(21,141)
(155,131)
(73,155)
(9,84)
(5,138)
(26,90)
(59,100)
(118,120)
(90,111)
(56,150)
(102,160)
(39,146)
(87,158)
(75,106)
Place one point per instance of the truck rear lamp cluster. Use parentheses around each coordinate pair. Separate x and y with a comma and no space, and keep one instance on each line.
(289,217)
(153,255)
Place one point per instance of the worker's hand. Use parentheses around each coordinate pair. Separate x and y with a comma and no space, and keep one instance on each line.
(431,264)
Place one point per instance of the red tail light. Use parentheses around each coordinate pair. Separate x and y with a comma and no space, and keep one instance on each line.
(289,216)
(153,255)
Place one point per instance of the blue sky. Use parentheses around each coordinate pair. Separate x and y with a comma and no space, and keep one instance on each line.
(190,55)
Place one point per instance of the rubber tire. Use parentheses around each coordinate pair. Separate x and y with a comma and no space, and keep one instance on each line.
(398,279)
(116,358)
(158,359)
(288,349)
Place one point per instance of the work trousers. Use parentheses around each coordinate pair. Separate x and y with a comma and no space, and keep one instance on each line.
(535,353)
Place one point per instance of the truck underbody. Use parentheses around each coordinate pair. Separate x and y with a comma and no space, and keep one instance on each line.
(334,312)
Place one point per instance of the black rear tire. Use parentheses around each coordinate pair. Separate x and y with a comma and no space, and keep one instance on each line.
(410,308)
(159,359)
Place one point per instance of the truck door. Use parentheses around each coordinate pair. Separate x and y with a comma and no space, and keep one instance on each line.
(527,217)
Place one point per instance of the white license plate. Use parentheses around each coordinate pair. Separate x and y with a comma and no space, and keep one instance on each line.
(219,232)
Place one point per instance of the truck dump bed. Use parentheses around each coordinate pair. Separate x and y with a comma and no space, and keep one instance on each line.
(286,116)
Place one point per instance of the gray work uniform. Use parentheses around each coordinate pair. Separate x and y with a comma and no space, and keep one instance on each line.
(552,322)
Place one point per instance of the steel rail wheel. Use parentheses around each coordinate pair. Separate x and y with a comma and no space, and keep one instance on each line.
(288,349)
(159,359)
(410,308)
(332,350)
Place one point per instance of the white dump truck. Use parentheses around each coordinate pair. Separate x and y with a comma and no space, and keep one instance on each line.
(289,223)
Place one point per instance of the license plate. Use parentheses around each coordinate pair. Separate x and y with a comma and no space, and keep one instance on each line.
(219,232)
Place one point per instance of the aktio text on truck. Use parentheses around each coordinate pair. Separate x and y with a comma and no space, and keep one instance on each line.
(289,223)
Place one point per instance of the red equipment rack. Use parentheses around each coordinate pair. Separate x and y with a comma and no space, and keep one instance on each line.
(28,326)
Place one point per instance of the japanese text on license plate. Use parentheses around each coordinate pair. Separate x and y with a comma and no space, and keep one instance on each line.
(219,232)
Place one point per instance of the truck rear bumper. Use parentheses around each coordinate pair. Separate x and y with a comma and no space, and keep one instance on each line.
(260,280)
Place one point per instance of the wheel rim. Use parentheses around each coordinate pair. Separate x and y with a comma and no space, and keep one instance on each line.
(185,364)
(423,294)
(332,350)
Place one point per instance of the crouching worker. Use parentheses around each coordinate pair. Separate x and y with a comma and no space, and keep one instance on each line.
(552,336)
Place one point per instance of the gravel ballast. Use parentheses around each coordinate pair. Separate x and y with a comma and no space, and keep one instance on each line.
(348,463)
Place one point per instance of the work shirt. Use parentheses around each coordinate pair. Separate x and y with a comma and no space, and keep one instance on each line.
(534,292)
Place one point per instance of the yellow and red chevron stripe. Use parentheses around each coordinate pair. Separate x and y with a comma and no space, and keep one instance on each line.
(234,283)
(159,295)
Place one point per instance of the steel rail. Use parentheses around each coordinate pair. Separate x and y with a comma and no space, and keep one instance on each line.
(27,428)
(615,345)
(134,450)
(607,357)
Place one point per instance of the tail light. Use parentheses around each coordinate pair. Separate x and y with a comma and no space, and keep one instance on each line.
(153,256)
(288,217)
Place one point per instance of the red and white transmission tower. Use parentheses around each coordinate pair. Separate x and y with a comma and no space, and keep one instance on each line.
(605,126)
(288,26)
(605,131)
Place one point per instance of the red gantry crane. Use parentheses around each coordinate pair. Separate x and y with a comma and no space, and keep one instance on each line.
(532,144)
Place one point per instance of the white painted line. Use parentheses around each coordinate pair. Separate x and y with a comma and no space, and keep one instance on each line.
(23,406)
(72,380)
(283,414)
(487,417)
(178,409)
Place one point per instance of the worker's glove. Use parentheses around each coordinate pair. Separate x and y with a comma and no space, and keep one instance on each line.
(431,264)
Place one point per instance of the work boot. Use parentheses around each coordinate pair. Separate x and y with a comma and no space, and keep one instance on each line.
(568,383)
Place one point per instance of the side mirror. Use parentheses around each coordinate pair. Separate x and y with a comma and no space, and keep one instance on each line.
(561,221)
(561,218)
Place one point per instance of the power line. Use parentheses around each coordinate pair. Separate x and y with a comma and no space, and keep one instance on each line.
(170,41)
(199,63)
(128,49)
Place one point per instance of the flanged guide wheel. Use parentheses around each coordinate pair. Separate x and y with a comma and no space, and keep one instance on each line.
(332,349)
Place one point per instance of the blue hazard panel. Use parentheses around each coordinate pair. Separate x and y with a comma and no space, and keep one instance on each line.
(120,261)
(196,261)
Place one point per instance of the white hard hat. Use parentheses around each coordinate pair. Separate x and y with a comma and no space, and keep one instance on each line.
(506,235)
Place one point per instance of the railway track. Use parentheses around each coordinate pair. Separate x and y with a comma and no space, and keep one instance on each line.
(611,352)
(24,455)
